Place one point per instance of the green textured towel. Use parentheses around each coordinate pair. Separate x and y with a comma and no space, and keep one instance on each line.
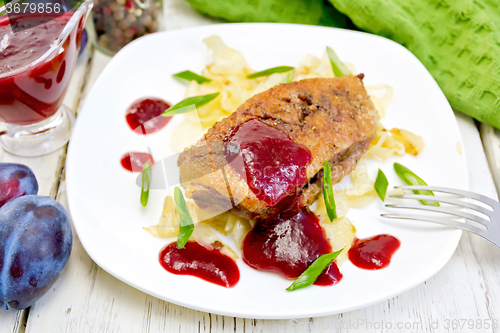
(314,12)
(457,40)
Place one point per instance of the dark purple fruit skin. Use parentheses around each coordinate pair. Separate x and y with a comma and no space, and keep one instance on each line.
(35,244)
(85,38)
(16,180)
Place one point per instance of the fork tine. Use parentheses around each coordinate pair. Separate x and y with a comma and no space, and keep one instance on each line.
(467,194)
(444,210)
(451,223)
(439,220)
(445,200)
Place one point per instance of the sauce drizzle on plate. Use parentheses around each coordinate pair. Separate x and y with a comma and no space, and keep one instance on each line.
(373,253)
(134,161)
(196,260)
(144,115)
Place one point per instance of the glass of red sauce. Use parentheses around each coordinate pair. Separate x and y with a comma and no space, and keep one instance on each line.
(36,64)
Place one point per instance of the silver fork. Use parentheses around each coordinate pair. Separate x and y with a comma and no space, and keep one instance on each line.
(492,224)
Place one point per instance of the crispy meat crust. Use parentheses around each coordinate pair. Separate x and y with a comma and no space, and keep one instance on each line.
(333,118)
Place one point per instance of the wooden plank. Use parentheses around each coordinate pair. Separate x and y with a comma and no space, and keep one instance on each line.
(99,61)
(13,321)
(480,176)
(491,143)
(47,170)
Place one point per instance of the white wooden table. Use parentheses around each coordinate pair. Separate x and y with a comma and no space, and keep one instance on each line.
(87,299)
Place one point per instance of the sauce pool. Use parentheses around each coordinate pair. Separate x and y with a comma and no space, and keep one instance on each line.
(287,244)
(196,260)
(134,161)
(275,166)
(373,253)
(144,115)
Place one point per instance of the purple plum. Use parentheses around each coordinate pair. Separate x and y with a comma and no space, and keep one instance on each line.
(35,244)
(16,180)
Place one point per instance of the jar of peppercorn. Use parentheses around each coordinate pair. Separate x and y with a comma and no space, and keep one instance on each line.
(118,22)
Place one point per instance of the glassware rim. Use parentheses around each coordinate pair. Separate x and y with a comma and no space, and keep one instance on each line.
(82,10)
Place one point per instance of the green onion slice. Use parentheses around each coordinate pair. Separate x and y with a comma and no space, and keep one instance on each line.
(410,178)
(381,184)
(339,69)
(279,69)
(309,276)
(146,181)
(186,225)
(289,77)
(189,104)
(191,76)
(328,192)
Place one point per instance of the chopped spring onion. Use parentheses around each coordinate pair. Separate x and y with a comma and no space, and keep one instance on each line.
(189,104)
(279,69)
(289,77)
(381,184)
(191,76)
(328,192)
(309,276)
(146,181)
(410,178)
(186,225)
(339,69)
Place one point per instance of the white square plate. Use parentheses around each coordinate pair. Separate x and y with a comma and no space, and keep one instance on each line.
(104,198)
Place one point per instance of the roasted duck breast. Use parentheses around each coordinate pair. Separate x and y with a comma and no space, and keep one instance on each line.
(269,154)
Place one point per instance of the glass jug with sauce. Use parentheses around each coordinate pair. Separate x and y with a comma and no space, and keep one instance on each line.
(36,64)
